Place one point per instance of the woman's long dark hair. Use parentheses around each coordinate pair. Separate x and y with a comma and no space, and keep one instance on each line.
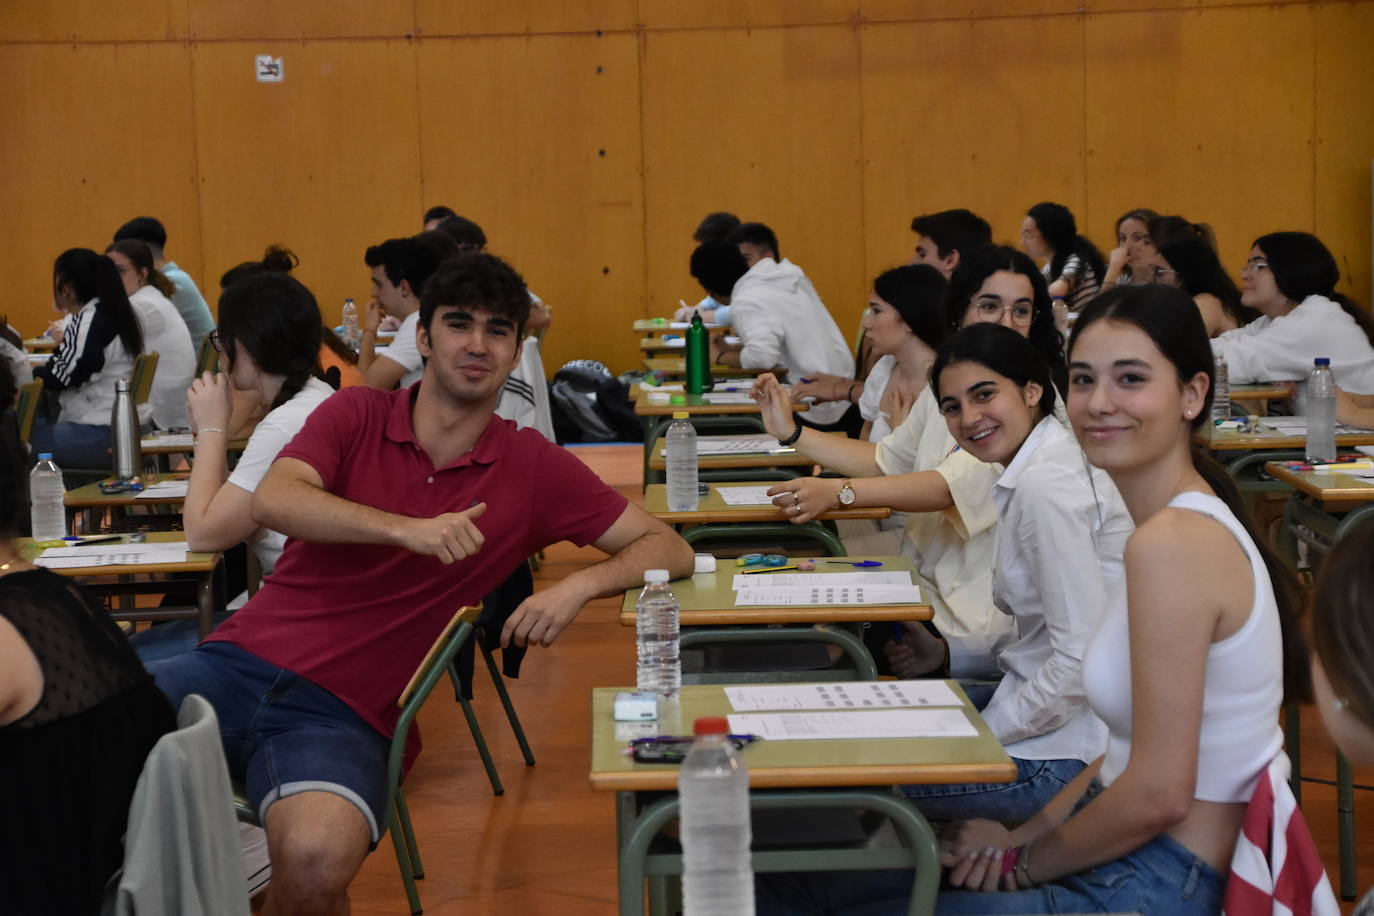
(1144,215)
(1303,266)
(1000,349)
(1172,321)
(275,319)
(917,292)
(1200,271)
(974,269)
(282,260)
(141,256)
(91,275)
(1060,230)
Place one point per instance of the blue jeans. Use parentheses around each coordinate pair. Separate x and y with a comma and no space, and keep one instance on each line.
(282,734)
(1161,878)
(171,639)
(1037,782)
(73,445)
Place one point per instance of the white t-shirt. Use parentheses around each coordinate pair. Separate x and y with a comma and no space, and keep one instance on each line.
(165,333)
(405,351)
(276,429)
(1283,348)
(18,361)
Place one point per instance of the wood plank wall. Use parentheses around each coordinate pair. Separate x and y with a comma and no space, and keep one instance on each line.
(589,136)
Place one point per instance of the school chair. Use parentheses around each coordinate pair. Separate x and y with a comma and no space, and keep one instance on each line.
(27,408)
(208,358)
(437,660)
(141,379)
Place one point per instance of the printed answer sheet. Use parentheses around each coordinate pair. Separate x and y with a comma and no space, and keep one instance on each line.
(855,695)
(111,555)
(830,580)
(826,596)
(745,496)
(877,723)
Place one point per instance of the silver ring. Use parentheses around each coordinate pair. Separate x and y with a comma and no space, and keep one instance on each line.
(796,499)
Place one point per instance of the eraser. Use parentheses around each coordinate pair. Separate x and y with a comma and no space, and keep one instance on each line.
(705,563)
(635,707)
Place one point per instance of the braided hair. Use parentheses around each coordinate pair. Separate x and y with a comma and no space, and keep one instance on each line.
(275,319)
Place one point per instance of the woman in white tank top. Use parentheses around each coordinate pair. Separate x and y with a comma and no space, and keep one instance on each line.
(1188,675)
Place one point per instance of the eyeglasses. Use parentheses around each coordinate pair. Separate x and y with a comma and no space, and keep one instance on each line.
(214,339)
(1254,265)
(992,310)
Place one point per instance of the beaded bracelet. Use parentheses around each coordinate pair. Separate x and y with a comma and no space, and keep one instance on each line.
(796,434)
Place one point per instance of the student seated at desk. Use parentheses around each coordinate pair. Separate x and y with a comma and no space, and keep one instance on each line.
(714,227)
(778,317)
(164,331)
(78,716)
(400,508)
(951,529)
(1061,531)
(1291,278)
(96,350)
(399,269)
(1187,261)
(1188,669)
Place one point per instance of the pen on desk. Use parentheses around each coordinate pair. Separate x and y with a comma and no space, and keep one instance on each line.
(750,572)
(806,380)
(97,539)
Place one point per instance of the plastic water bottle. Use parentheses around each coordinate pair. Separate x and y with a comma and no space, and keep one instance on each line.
(713,788)
(1221,398)
(1321,413)
(45,498)
(1060,309)
(352,333)
(682,464)
(659,667)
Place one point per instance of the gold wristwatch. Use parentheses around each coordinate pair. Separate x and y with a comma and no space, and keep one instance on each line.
(846,496)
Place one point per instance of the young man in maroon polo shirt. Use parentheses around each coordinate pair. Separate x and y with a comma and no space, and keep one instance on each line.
(400,507)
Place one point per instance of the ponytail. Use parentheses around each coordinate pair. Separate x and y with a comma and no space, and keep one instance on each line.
(94,276)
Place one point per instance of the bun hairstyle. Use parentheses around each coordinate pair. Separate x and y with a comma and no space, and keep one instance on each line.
(1302,266)
(93,276)
(1171,319)
(141,256)
(1000,349)
(973,271)
(276,259)
(275,319)
(1165,229)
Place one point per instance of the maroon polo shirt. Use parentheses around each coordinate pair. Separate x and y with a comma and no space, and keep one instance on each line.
(357,618)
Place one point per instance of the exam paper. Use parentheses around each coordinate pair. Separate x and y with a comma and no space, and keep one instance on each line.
(808,580)
(856,695)
(877,723)
(823,596)
(170,440)
(111,555)
(745,496)
(738,445)
(727,397)
(163,490)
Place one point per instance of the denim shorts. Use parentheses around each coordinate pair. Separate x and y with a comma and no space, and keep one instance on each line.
(1037,783)
(282,733)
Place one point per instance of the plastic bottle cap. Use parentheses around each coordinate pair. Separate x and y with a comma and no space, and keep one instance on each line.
(655,576)
(45,456)
(1322,361)
(711,725)
(680,415)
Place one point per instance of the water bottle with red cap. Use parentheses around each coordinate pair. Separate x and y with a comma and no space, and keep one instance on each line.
(713,787)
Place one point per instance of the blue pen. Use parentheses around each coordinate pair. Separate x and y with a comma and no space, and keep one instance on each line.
(806,380)
(864,563)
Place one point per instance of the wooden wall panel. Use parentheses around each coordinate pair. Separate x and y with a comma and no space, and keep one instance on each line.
(326,162)
(1223,133)
(961,129)
(765,124)
(449,19)
(95,135)
(719,14)
(274,19)
(1344,140)
(955,10)
(92,20)
(512,133)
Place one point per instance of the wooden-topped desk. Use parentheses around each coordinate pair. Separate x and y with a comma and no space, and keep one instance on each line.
(1337,491)
(90,500)
(1267,438)
(842,774)
(708,599)
(712,404)
(209,596)
(658,325)
(39,344)
(675,367)
(1258,395)
(180,444)
(779,457)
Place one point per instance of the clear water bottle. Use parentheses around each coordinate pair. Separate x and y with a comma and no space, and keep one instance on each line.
(352,333)
(682,465)
(1321,413)
(1060,308)
(659,667)
(713,788)
(1221,398)
(45,499)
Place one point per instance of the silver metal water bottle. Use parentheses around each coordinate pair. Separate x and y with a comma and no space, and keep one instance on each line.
(124,433)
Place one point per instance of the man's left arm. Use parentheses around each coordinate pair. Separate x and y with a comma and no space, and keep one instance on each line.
(636,541)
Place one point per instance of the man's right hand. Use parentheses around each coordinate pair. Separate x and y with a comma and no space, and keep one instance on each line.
(450,537)
(372,318)
(775,406)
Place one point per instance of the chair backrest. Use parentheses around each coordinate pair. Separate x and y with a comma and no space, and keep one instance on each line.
(183,841)
(141,379)
(27,408)
(208,358)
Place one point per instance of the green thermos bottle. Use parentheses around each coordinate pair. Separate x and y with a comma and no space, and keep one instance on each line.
(698,356)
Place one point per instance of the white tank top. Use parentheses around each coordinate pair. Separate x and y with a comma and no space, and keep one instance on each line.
(1242,693)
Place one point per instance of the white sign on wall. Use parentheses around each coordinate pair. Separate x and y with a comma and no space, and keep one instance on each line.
(269,68)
